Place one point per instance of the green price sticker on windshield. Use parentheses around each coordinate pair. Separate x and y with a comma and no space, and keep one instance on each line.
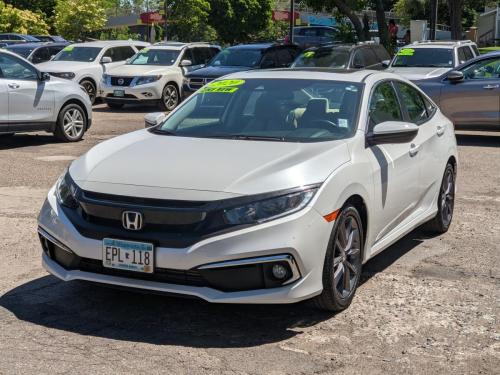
(227,83)
(68,49)
(219,90)
(144,50)
(309,54)
(406,52)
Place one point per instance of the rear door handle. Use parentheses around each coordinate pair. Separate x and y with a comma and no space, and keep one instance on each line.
(490,87)
(414,149)
(13,85)
(440,130)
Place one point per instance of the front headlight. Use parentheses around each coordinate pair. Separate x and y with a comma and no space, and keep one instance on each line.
(269,209)
(147,79)
(65,75)
(66,191)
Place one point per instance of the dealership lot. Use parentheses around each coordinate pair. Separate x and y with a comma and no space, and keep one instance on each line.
(425,305)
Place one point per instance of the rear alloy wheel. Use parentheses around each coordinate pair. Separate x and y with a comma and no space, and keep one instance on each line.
(71,123)
(343,262)
(170,97)
(446,203)
(90,88)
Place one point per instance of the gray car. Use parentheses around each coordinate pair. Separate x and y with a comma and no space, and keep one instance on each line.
(470,94)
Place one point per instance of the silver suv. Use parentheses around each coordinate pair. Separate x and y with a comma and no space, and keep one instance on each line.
(429,59)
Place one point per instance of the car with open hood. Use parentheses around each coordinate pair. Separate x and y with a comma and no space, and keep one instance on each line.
(263,187)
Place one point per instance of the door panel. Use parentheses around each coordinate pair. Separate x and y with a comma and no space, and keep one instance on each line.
(4,106)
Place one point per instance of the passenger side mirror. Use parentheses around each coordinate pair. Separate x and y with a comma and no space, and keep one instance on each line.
(386,63)
(153,119)
(106,60)
(455,76)
(392,132)
(185,63)
(43,76)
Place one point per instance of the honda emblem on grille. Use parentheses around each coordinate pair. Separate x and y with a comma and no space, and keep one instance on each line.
(121,81)
(132,220)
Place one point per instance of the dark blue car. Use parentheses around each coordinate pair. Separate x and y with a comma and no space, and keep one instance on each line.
(469,95)
(36,52)
(240,58)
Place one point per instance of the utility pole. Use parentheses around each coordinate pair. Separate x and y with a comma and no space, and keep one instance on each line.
(292,19)
(165,24)
(433,23)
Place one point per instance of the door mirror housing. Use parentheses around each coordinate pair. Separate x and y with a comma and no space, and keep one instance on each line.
(43,76)
(186,63)
(386,63)
(455,76)
(392,132)
(153,119)
(106,60)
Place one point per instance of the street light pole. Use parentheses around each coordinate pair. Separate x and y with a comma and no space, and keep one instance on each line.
(292,20)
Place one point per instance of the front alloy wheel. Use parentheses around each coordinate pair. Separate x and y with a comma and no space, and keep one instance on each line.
(90,88)
(170,97)
(71,123)
(342,267)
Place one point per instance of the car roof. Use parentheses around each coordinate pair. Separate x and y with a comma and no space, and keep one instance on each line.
(111,43)
(179,45)
(256,46)
(345,75)
(439,44)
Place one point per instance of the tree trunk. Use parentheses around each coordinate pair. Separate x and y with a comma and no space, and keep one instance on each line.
(383,33)
(455,8)
(349,13)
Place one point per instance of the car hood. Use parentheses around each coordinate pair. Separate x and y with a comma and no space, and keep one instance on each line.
(217,71)
(140,70)
(419,73)
(62,66)
(168,167)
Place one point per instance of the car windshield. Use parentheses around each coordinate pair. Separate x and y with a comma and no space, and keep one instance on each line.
(83,54)
(324,58)
(21,51)
(286,110)
(148,56)
(424,57)
(237,57)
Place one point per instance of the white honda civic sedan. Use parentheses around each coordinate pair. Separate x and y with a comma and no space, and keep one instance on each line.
(264,187)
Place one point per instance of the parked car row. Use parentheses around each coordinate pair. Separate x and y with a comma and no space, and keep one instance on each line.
(16,38)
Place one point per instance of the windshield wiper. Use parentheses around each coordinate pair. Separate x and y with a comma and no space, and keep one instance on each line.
(156,130)
(247,137)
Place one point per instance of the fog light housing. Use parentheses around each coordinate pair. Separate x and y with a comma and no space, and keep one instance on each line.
(280,272)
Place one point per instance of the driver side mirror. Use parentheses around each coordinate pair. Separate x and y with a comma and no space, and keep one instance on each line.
(153,119)
(43,76)
(106,60)
(386,63)
(455,76)
(185,63)
(392,132)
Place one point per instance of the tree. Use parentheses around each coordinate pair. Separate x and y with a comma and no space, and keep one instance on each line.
(455,8)
(45,7)
(188,21)
(237,20)
(76,19)
(21,21)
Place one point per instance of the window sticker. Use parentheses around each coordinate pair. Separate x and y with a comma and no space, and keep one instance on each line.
(406,52)
(68,48)
(227,83)
(222,90)
(343,123)
(309,54)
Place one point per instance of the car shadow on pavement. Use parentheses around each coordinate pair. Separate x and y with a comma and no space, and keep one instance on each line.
(90,309)
(478,139)
(26,140)
(131,108)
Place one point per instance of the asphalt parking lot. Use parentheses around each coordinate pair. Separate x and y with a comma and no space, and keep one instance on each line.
(426,305)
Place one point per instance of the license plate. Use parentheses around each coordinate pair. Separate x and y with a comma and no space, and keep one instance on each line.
(119,93)
(128,255)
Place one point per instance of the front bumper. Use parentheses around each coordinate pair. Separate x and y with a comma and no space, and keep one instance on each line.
(132,94)
(303,237)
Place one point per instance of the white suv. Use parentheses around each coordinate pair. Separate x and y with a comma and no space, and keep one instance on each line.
(86,62)
(31,100)
(429,59)
(155,74)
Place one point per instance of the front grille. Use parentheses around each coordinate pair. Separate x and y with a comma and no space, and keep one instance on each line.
(196,83)
(121,81)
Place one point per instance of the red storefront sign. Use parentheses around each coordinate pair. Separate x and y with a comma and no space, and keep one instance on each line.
(284,15)
(151,17)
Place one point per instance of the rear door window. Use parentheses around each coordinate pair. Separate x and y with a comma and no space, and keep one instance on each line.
(284,57)
(41,55)
(369,57)
(461,55)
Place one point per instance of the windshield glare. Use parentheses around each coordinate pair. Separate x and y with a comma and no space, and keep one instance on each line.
(237,57)
(82,54)
(323,58)
(148,56)
(290,110)
(424,57)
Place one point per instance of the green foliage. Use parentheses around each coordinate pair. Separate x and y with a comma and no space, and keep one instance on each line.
(188,21)
(45,7)
(239,20)
(346,32)
(21,21)
(122,33)
(76,19)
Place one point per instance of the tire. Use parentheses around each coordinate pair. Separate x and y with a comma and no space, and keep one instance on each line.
(170,97)
(71,123)
(90,87)
(446,203)
(115,105)
(344,253)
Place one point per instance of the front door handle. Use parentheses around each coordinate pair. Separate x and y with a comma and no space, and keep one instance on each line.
(440,130)
(414,149)
(490,87)
(13,85)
